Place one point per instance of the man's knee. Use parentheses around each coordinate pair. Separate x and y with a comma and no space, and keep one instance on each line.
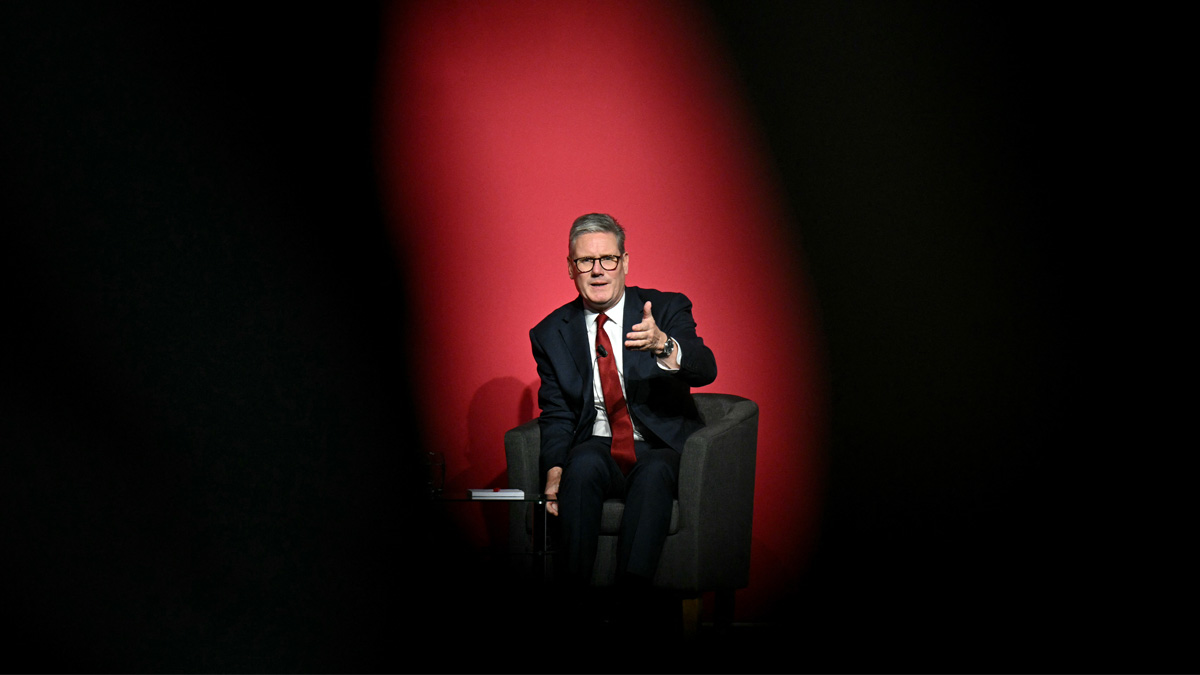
(659,468)
(588,461)
(586,464)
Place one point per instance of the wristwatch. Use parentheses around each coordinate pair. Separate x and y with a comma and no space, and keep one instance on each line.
(668,349)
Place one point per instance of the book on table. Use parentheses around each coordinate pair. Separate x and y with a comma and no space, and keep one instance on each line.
(496,493)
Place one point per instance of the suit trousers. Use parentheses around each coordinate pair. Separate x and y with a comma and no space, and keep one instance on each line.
(590,476)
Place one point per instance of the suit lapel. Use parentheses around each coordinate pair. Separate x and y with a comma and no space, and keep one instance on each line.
(574,335)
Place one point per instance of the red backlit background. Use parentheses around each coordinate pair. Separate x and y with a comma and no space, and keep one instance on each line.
(502,122)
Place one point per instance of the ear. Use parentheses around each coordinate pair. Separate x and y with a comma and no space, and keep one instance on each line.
(625,264)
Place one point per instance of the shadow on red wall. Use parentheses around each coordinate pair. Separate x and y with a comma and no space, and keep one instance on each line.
(496,407)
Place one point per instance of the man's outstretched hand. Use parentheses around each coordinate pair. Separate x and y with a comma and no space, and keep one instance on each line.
(645,336)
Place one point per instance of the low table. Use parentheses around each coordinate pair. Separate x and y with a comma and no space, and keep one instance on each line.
(540,544)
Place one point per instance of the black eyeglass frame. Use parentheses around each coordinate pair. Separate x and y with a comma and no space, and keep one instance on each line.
(591,263)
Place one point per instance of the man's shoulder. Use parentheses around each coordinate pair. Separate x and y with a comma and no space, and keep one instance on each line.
(654,295)
(558,316)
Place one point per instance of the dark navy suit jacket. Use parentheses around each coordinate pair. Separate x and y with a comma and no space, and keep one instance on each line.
(659,400)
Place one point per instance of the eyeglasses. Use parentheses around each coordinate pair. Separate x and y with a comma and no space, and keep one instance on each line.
(608,263)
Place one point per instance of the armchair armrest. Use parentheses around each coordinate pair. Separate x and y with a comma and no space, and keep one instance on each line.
(716,493)
(522,448)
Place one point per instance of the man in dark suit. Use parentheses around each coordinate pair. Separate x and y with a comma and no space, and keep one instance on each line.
(616,368)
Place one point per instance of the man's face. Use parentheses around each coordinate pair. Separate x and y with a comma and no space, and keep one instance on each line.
(600,288)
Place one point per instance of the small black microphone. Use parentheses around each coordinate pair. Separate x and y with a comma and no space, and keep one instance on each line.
(601,350)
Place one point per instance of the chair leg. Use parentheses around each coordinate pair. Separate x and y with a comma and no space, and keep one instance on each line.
(691,617)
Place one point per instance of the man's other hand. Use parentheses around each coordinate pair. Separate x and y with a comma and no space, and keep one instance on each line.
(553,478)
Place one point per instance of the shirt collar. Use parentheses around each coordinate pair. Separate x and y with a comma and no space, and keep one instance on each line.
(616,313)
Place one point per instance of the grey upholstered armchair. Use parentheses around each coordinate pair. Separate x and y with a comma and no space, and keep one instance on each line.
(708,548)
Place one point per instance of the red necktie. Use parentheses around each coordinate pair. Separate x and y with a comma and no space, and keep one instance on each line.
(614,400)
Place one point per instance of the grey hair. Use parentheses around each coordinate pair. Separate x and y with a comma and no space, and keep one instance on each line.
(596,222)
